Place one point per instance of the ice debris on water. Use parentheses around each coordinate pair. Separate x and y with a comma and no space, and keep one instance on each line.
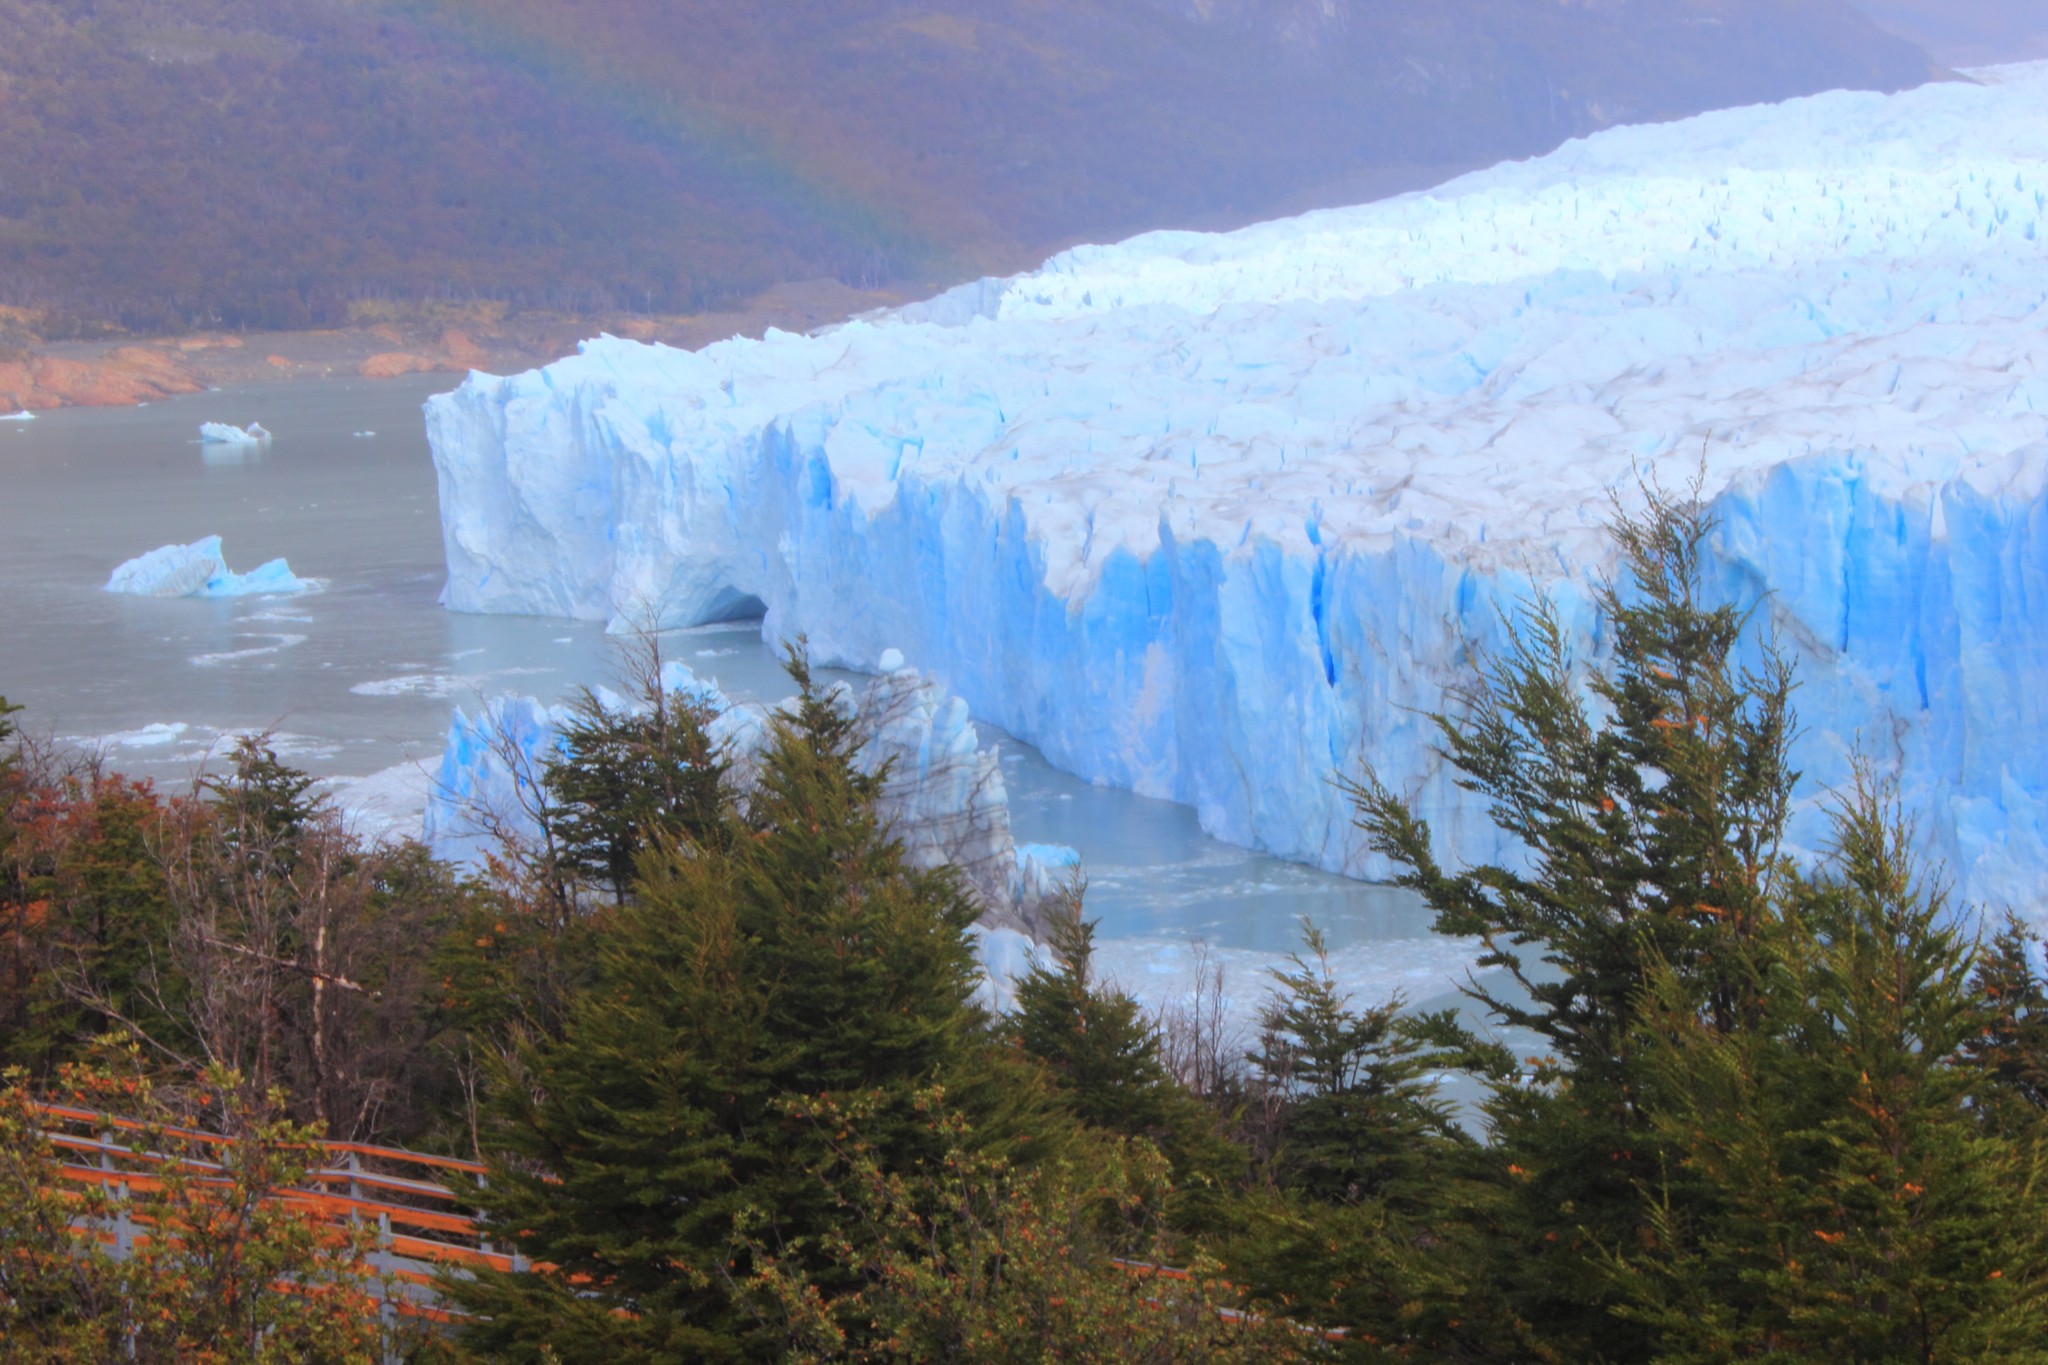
(221,433)
(199,570)
(1211,516)
(23,416)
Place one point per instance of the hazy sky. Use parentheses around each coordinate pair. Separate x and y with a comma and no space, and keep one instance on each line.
(1968,32)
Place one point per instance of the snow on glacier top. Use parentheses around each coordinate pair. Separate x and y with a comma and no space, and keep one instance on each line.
(1477,367)
(1841,175)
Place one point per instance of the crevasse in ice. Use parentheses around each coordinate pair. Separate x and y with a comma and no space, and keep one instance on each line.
(1213,517)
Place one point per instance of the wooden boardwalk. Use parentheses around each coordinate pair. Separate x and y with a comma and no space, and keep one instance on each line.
(422,1224)
(423,1227)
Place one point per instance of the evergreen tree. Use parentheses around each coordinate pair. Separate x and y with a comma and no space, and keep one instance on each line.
(1375,1205)
(1102,1051)
(2010,1049)
(1104,1057)
(1831,1196)
(1648,796)
(630,776)
(795,957)
(979,1261)
(1361,1117)
(265,801)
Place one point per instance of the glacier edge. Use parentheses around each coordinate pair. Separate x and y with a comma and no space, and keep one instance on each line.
(1212,518)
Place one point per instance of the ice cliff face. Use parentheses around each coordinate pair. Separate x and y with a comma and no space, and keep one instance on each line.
(1213,517)
(943,794)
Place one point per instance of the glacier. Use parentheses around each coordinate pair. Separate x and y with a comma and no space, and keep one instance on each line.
(1212,517)
(198,570)
(942,794)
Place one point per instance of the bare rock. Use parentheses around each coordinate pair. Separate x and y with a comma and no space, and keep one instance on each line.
(128,375)
(391,364)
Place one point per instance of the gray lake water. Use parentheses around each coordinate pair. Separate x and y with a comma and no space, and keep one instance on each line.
(359,678)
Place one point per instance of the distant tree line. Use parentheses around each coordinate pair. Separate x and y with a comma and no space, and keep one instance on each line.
(725,1056)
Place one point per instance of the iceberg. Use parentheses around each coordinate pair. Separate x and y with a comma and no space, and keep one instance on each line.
(1212,517)
(221,433)
(943,794)
(23,416)
(198,570)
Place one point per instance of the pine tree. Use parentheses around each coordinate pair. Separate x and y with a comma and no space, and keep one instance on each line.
(2010,1049)
(976,1260)
(1102,1051)
(1373,1207)
(1831,1194)
(263,798)
(631,776)
(796,957)
(1361,1117)
(1104,1057)
(1647,795)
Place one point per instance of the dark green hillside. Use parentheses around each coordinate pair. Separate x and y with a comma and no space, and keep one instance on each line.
(263,163)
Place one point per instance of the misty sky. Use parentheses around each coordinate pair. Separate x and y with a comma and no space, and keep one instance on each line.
(1968,32)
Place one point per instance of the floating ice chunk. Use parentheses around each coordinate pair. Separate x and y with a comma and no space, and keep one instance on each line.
(413,685)
(198,570)
(278,645)
(222,433)
(170,570)
(23,416)
(150,736)
(364,435)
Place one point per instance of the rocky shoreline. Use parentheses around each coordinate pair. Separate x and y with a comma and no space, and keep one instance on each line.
(381,342)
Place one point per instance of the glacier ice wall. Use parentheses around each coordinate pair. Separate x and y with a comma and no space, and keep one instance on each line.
(1212,517)
(943,794)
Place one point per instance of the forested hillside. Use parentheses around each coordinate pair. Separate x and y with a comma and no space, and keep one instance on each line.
(262,163)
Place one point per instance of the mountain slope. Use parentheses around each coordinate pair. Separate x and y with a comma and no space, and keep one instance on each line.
(167,163)
(1967,32)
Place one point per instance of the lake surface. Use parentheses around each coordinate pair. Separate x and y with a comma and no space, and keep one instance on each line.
(359,679)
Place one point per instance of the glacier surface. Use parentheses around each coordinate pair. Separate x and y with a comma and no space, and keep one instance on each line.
(943,795)
(1211,517)
(198,570)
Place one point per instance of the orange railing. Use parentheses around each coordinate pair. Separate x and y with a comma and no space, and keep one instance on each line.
(357,1185)
(421,1224)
